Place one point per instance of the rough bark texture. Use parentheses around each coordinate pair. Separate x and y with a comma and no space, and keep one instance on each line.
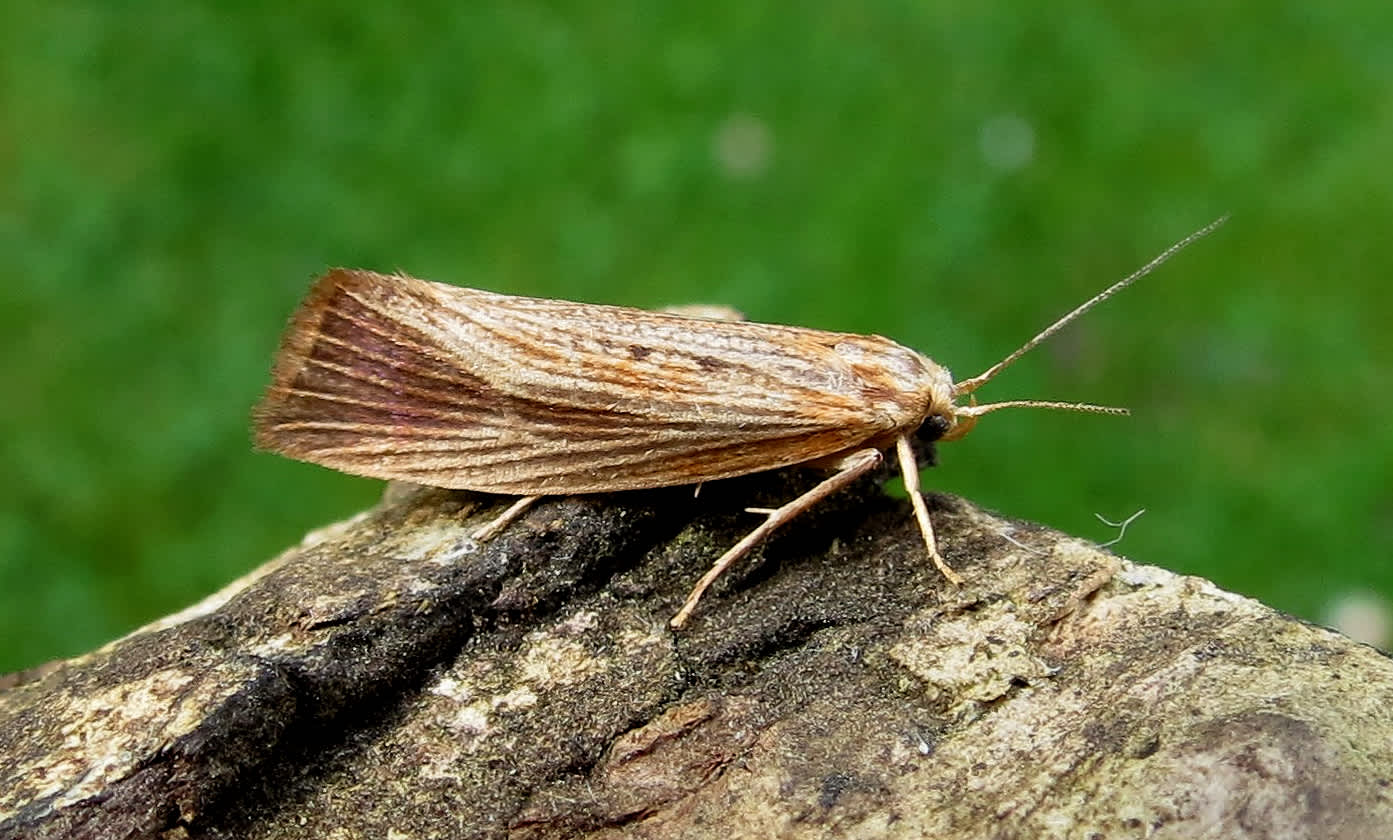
(390,679)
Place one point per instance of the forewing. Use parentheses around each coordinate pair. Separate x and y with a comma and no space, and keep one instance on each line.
(398,378)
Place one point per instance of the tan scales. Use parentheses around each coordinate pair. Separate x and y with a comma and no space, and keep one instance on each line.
(392,377)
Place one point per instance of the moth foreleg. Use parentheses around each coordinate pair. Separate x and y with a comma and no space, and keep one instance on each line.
(504,519)
(909,469)
(851,468)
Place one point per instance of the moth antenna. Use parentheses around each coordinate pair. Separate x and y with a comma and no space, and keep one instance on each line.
(1087,408)
(965,417)
(967,386)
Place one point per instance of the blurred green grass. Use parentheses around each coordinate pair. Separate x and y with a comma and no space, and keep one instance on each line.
(172,176)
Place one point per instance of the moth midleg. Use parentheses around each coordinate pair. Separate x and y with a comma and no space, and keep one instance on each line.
(909,469)
(851,467)
(504,519)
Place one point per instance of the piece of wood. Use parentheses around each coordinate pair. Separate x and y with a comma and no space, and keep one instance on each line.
(391,676)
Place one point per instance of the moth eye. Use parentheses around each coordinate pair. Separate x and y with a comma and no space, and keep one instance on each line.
(934,427)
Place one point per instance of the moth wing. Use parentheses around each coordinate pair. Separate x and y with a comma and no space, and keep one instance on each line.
(397,378)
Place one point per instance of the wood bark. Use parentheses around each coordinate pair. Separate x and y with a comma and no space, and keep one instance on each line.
(390,678)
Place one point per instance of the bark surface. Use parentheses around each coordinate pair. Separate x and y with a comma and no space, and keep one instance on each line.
(390,678)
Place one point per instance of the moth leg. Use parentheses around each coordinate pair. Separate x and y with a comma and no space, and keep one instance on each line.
(909,469)
(504,519)
(852,467)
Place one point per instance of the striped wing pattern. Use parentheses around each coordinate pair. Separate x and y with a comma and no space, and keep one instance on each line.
(398,378)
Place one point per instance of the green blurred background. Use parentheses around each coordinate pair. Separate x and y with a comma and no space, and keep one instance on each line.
(954,176)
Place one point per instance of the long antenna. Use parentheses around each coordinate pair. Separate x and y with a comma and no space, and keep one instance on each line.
(967,386)
(1086,408)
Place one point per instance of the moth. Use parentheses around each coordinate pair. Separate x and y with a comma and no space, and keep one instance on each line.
(392,377)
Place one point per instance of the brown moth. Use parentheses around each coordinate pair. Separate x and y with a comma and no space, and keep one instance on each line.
(392,377)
